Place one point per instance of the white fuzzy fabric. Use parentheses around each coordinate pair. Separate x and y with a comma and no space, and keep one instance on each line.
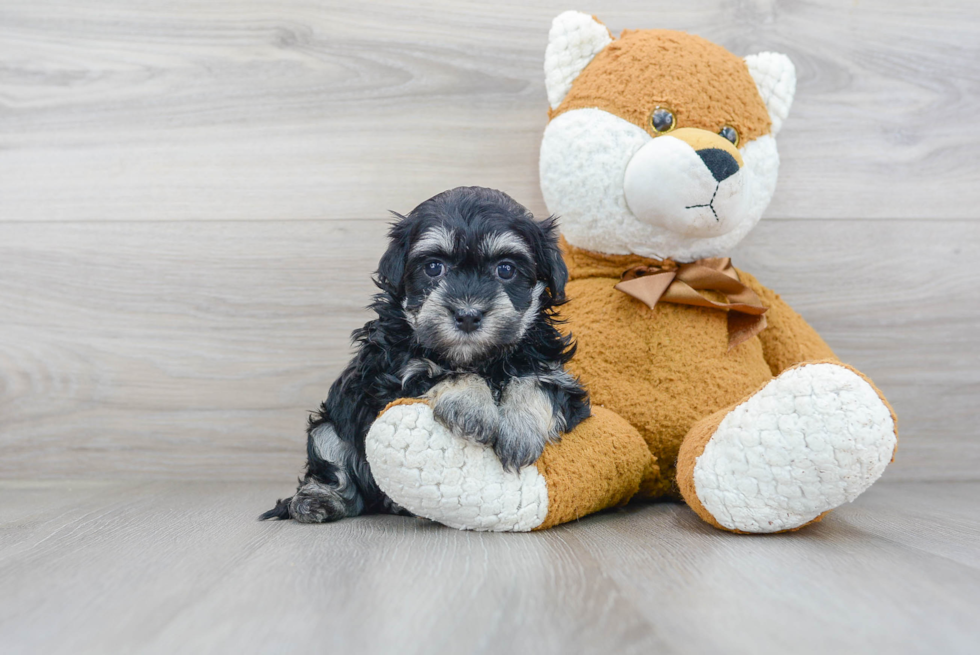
(775,77)
(575,38)
(812,439)
(585,154)
(668,185)
(432,473)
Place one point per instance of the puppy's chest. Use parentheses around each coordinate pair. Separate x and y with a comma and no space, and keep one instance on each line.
(495,380)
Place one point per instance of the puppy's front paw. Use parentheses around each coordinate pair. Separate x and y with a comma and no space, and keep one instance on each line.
(517,446)
(465,406)
(527,423)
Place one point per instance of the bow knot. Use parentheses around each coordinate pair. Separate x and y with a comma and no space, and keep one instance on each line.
(641,270)
(668,281)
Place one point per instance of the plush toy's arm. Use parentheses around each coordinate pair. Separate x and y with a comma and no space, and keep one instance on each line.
(788,340)
(433,472)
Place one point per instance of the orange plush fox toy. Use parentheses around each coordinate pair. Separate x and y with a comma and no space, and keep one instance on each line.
(659,158)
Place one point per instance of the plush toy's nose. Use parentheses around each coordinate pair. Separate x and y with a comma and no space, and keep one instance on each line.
(721,164)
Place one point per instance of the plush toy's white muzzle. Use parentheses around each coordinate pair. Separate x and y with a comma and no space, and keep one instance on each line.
(693,192)
(618,190)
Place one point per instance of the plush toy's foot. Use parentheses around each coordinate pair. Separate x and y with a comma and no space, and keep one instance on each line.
(435,474)
(812,439)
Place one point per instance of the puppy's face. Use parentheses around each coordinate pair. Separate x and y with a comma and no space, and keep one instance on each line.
(469,293)
(476,272)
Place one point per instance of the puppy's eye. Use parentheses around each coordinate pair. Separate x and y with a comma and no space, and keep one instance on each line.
(729,133)
(434,268)
(505,271)
(662,120)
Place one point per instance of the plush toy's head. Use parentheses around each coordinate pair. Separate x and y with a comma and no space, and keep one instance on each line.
(660,143)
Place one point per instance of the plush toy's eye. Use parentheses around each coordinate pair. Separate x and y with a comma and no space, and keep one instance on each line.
(434,268)
(662,120)
(729,133)
(505,270)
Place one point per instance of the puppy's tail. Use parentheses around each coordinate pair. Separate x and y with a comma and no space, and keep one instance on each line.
(280,511)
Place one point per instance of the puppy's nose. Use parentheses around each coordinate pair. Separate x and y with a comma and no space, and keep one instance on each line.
(721,164)
(468,320)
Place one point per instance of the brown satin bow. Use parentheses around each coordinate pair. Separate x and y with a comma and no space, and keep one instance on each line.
(681,284)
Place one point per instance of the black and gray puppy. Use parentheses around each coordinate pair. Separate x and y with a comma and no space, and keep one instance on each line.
(466,318)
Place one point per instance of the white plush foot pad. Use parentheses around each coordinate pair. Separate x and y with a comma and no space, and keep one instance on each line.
(812,439)
(432,473)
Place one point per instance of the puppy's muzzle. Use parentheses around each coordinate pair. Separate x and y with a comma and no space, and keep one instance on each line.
(468,320)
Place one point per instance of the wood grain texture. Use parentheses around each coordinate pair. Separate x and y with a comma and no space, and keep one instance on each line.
(171,567)
(338,110)
(195,349)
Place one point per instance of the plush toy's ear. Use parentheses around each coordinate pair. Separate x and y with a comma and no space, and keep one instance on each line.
(775,76)
(575,38)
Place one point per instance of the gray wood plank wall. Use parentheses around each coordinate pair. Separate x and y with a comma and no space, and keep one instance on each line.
(193,195)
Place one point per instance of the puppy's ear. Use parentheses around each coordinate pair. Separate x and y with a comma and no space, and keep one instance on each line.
(551,265)
(391,268)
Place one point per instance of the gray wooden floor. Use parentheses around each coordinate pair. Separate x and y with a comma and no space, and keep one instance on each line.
(182,567)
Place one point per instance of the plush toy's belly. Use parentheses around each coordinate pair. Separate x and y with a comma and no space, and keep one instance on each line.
(662,369)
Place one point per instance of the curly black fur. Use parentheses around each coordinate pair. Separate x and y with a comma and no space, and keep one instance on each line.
(391,362)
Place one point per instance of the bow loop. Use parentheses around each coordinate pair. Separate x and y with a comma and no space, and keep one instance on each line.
(682,284)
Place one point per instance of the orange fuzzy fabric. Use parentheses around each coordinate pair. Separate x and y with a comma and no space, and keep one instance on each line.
(665,369)
(789,339)
(704,85)
(597,465)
